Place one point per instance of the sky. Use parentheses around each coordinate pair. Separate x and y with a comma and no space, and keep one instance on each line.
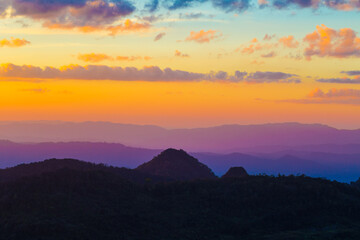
(181,63)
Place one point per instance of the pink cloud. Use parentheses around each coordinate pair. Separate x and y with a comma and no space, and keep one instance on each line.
(203,36)
(289,42)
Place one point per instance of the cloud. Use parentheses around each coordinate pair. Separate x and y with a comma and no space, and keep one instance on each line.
(339,80)
(289,42)
(78,12)
(268,37)
(225,5)
(256,46)
(99,57)
(269,55)
(232,5)
(343,5)
(36,90)
(191,15)
(13,42)
(131,58)
(152,5)
(280,4)
(203,36)
(180,54)
(126,27)
(159,36)
(269,77)
(335,93)
(332,96)
(351,73)
(81,15)
(327,42)
(94,57)
(149,73)
(243,5)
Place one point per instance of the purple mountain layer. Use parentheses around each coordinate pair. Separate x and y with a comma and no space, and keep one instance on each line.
(342,167)
(220,139)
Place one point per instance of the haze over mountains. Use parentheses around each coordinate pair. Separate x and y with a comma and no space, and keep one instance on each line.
(288,148)
(224,139)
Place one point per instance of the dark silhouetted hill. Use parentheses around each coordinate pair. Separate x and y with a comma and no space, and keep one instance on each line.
(54,165)
(236,172)
(176,164)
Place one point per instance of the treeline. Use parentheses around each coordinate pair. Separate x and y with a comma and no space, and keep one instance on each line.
(98,204)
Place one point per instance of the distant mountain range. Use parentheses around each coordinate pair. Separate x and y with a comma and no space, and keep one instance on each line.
(337,166)
(220,139)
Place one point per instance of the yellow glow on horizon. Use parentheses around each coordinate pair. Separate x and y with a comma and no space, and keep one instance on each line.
(171,104)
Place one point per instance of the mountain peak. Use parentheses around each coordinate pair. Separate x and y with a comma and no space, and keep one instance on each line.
(178,165)
(236,172)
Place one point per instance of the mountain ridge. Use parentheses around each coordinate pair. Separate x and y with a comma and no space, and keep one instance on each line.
(220,139)
(177,164)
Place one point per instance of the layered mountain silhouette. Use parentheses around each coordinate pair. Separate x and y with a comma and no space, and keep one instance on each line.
(337,165)
(220,139)
(177,164)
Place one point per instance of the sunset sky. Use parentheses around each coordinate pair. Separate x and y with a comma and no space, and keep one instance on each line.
(181,63)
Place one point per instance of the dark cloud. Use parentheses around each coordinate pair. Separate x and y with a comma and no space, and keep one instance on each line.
(151,18)
(44,8)
(190,15)
(178,4)
(152,6)
(268,77)
(232,5)
(339,80)
(159,36)
(268,37)
(351,73)
(300,3)
(226,5)
(152,74)
(269,55)
(73,12)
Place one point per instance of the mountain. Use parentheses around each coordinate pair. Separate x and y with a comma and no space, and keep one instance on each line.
(92,205)
(54,165)
(220,139)
(114,154)
(236,172)
(340,167)
(176,164)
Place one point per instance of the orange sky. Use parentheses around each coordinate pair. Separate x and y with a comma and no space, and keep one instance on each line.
(186,66)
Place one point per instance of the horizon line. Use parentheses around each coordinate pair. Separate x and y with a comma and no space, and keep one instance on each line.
(175,127)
